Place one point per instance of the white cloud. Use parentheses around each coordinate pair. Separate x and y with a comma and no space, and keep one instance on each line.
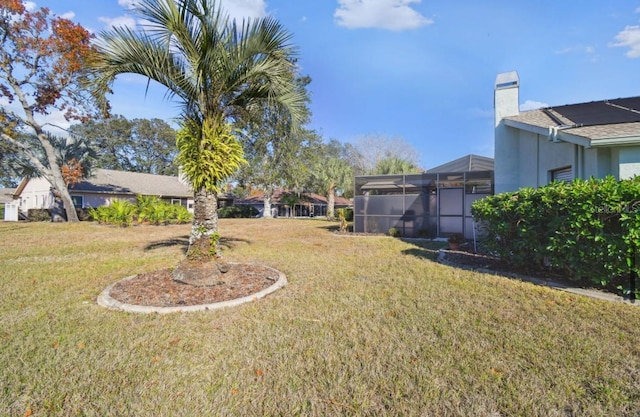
(128,4)
(125,20)
(629,37)
(68,15)
(239,9)
(532,105)
(589,50)
(236,9)
(30,5)
(383,14)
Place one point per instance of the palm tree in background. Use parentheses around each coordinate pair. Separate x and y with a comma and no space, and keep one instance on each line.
(395,165)
(218,70)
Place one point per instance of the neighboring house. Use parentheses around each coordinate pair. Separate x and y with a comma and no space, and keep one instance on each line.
(104,186)
(6,203)
(435,203)
(533,148)
(289,204)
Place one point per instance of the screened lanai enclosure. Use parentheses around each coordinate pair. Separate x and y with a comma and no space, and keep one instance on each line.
(433,204)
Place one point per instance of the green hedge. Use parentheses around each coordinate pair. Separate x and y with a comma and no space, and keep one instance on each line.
(235,212)
(588,229)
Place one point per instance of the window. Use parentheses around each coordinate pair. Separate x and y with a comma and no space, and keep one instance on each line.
(563,174)
(78,201)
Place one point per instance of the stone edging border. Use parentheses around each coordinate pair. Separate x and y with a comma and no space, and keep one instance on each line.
(105,300)
(600,295)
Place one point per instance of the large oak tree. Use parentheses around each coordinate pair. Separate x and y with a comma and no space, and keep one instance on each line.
(42,71)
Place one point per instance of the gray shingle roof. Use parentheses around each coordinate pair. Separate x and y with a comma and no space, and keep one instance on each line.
(6,195)
(108,181)
(466,163)
(593,120)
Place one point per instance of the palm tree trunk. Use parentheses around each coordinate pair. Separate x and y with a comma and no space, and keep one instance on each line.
(203,241)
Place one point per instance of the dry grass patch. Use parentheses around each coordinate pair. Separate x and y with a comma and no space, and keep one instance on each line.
(366,326)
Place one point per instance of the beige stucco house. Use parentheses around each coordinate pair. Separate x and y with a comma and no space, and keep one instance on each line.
(104,186)
(533,148)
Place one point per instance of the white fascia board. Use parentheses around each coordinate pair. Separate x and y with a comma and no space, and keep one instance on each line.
(526,127)
(557,136)
(577,140)
(617,141)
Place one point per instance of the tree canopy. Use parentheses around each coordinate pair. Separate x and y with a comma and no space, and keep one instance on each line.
(42,74)
(381,154)
(217,70)
(273,149)
(138,145)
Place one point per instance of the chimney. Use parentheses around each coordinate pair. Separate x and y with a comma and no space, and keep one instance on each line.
(506,100)
(506,143)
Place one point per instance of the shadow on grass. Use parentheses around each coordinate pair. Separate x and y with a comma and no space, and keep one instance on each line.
(424,249)
(183,242)
(422,253)
(335,228)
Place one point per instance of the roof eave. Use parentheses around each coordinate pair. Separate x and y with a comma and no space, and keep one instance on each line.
(561,136)
(554,133)
(527,127)
(616,141)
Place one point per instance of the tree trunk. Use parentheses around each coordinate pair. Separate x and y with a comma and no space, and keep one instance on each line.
(331,203)
(61,188)
(204,238)
(266,208)
(266,204)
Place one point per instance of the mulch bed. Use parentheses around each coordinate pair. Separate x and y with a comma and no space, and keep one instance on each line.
(159,289)
(465,257)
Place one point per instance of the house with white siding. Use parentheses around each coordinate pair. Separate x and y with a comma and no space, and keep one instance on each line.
(102,187)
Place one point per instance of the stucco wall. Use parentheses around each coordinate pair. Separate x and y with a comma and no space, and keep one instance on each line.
(97,200)
(629,162)
(507,151)
(36,195)
(525,159)
(553,156)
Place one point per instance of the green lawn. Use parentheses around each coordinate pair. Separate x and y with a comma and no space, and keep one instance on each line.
(368,326)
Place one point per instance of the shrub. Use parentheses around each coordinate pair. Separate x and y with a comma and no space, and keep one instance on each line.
(394,232)
(348,213)
(236,212)
(342,217)
(147,209)
(121,212)
(180,214)
(39,215)
(589,229)
(99,214)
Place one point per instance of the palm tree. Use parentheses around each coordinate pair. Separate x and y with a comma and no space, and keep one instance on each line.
(218,70)
(395,165)
(329,175)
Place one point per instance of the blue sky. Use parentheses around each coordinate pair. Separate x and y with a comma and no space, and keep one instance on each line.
(423,70)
